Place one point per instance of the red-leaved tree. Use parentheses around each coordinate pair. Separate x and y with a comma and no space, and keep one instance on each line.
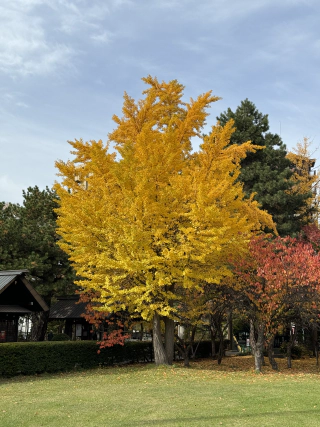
(279,284)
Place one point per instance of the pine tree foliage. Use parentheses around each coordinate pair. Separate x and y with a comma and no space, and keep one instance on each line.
(28,240)
(269,172)
(155,219)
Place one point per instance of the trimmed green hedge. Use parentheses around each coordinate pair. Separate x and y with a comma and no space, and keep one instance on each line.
(30,358)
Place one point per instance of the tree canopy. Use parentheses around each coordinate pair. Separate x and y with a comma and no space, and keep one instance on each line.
(28,240)
(155,219)
(267,172)
(279,284)
(305,180)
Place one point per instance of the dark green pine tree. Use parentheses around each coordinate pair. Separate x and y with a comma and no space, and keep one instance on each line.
(267,172)
(28,240)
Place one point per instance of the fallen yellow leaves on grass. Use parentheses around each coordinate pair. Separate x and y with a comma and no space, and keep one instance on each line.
(245,365)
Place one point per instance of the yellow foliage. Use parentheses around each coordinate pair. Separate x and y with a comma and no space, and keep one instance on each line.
(305,181)
(155,219)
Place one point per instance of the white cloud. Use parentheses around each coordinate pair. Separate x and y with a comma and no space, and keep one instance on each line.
(39,37)
(24,44)
(10,100)
(104,37)
(75,18)
(22,104)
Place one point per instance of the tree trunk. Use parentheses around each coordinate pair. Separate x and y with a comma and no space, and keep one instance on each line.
(289,348)
(257,344)
(39,325)
(272,360)
(230,331)
(169,339)
(213,334)
(186,362)
(289,354)
(184,350)
(184,345)
(160,356)
(221,346)
(314,338)
(141,331)
(315,346)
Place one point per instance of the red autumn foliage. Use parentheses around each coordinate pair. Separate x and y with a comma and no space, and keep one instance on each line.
(311,234)
(110,325)
(281,278)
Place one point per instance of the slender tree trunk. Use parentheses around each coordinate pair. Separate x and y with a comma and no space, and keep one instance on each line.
(230,330)
(184,344)
(257,344)
(183,348)
(193,346)
(315,346)
(221,347)
(272,360)
(289,354)
(169,339)
(289,349)
(160,355)
(39,325)
(213,335)
(141,331)
(186,360)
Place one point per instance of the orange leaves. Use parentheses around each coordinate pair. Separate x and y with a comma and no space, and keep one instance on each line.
(281,277)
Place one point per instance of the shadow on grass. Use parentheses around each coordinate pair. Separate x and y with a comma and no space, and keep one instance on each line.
(191,420)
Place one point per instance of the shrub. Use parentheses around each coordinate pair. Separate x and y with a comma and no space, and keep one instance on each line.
(60,337)
(297,351)
(29,358)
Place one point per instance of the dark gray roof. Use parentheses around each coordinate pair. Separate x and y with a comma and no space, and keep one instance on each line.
(7,276)
(12,272)
(67,308)
(14,309)
(5,280)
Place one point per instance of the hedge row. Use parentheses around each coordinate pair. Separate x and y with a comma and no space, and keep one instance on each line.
(29,358)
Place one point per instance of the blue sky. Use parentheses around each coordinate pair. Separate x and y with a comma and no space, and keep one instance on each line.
(64,65)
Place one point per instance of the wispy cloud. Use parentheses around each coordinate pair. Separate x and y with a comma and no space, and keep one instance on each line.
(104,37)
(22,104)
(39,37)
(24,44)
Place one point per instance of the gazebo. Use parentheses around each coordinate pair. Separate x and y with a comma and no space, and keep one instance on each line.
(17,299)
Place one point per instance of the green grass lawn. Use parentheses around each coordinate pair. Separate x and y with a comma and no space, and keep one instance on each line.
(146,395)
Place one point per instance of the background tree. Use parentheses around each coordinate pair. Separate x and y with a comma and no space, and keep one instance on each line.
(306,180)
(220,302)
(279,285)
(267,172)
(28,240)
(155,220)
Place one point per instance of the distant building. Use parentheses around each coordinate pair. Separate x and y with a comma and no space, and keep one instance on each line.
(17,299)
(71,314)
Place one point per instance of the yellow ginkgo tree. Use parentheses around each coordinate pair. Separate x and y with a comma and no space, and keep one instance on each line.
(144,218)
(306,180)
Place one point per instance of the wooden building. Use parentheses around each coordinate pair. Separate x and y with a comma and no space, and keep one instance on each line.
(17,299)
(70,312)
